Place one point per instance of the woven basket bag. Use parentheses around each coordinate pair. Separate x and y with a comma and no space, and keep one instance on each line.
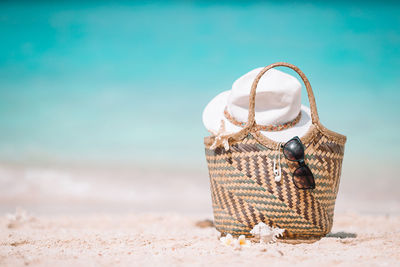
(243,187)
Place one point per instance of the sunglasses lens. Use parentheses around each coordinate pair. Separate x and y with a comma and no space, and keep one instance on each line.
(293,150)
(303,178)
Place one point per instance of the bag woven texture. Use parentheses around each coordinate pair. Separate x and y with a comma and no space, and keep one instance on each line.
(243,187)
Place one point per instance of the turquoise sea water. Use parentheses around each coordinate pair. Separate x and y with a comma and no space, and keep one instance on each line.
(127,83)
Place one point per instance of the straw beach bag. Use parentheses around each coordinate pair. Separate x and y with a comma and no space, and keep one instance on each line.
(243,188)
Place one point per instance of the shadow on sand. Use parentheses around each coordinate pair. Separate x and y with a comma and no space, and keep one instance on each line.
(342,235)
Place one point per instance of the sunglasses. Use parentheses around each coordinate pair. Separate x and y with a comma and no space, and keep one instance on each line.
(302,176)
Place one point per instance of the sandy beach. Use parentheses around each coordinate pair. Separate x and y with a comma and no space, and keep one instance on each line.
(75,216)
(175,240)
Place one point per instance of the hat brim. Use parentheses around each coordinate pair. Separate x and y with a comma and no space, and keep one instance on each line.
(214,113)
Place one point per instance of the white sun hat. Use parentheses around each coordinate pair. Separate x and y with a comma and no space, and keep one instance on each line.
(279,114)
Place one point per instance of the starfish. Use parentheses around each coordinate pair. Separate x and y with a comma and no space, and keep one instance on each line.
(221,137)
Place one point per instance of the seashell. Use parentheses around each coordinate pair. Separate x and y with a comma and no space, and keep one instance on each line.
(265,233)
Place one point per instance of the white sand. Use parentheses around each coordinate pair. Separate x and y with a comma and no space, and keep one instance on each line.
(94,217)
(174,240)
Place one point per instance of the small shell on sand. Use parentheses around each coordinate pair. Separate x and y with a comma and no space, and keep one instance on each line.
(265,233)
(19,218)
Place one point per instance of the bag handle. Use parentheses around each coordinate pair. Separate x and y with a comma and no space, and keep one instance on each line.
(252,98)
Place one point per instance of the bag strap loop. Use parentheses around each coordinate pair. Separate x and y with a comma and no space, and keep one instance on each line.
(252,98)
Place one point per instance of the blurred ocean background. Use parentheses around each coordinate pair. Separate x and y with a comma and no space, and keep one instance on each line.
(101,103)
